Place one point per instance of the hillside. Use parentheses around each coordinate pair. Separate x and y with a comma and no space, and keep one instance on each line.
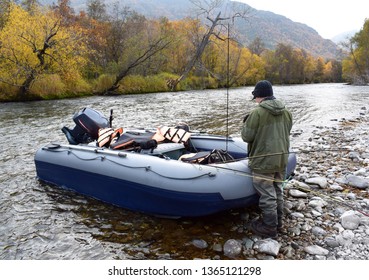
(274,29)
(271,28)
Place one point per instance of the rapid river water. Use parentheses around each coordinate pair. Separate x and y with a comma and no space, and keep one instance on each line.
(38,221)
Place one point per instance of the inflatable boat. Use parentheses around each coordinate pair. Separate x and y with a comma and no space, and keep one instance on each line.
(203,175)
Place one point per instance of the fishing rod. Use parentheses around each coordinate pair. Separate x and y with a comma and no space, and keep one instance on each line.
(300,152)
(111,118)
(320,194)
(227,86)
(291,152)
(284,182)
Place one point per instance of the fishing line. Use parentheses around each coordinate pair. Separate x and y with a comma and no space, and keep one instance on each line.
(322,195)
(290,152)
(284,183)
(227,122)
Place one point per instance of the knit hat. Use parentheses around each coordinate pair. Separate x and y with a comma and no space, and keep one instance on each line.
(263,89)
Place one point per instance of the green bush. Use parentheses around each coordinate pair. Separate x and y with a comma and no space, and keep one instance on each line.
(158,83)
(103,83)
(48,87)
(138,84)
(8,92)
(195,82)
(52,87)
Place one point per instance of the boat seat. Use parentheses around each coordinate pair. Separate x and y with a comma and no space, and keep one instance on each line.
(195,157)
(170,150)
(129,139)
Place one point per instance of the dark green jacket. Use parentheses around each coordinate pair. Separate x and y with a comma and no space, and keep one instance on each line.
(267,132)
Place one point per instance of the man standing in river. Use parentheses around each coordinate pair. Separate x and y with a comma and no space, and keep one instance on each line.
(267,131)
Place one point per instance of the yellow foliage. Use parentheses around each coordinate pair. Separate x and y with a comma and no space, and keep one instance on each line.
(48,85)
(245,68)
(36,43)
(104,82)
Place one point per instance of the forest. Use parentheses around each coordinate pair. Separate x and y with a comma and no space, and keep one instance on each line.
(53,52)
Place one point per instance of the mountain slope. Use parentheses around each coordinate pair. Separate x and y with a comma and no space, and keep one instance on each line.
(268,26)
(274,29)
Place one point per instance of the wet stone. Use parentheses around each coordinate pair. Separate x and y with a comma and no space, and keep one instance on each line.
(316,250)
(320,181)
(345,238)
(218,247)
(350,220)
(200,243)
(267,246)
(331,242)
(232,248)
(318,231)
(297,193)
(357,181)
(317,203)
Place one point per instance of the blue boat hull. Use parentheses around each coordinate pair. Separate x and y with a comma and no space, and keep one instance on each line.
(151,184)
(138,197)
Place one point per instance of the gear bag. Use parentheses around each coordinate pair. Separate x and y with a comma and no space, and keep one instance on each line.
(215,156)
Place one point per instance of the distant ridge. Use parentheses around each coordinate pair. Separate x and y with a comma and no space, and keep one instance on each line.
(270,27)
(274,29)
(344,36)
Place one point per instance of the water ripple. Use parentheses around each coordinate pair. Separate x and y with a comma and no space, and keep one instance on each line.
(38,221)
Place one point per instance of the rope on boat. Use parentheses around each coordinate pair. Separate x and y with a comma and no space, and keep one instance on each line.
(55,148)
(146,167)
(210,174)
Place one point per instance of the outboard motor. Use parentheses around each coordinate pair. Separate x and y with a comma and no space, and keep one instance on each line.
(88,122)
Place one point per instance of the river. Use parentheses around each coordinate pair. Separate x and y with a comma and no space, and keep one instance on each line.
(38,221)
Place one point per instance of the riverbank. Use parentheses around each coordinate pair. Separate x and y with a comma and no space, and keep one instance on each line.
(327,202)
(132,84)
(326,205)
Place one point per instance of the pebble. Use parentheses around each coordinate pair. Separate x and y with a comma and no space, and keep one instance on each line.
(297,193)
(320,181)
(232,248)
(318,231)
(357,181)
(345,238)
(316,250)
(350,220)
(268,246)
(199,243)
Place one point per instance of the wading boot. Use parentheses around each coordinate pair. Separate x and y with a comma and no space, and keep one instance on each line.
(280,227)
(280,224)
(263,230)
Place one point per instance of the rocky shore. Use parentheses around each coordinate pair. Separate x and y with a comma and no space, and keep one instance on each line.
(326,203)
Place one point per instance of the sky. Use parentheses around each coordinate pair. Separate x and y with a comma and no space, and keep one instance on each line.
(328,17)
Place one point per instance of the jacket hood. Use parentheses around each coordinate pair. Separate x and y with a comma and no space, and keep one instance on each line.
(274,106)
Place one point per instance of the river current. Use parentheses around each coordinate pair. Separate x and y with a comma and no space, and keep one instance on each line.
(38,221)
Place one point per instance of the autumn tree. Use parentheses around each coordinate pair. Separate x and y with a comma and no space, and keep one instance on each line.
(356,66)
(309,68)
(35,44)
(96,9)
(184,32)
(4,11)
(65,12)
(130,41)
(29,5)
(257,46)
(231,64)
(215,26)
(335,74)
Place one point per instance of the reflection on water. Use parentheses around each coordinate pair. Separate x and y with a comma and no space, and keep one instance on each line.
(38,221)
